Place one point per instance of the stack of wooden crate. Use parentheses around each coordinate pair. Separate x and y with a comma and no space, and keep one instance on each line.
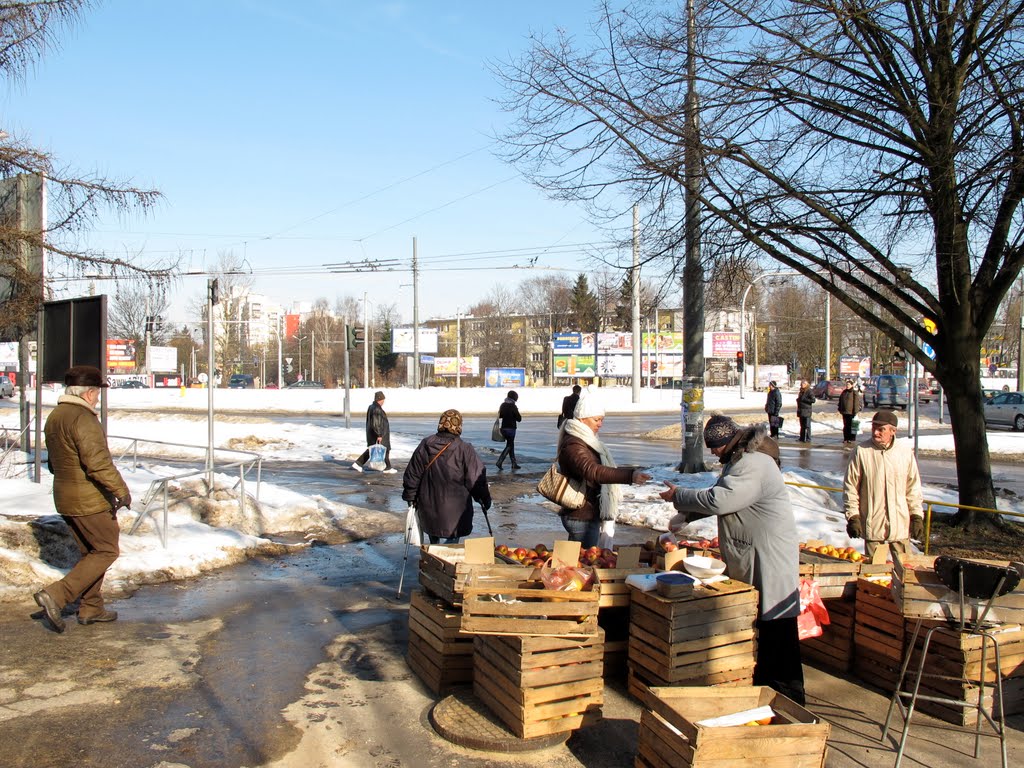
(672,733)
(879,630)
(705,638)
(834,649)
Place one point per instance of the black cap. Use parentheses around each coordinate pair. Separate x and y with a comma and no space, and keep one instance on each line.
(84,376)
(378,395)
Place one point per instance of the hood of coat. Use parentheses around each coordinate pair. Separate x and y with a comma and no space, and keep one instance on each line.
(751,440)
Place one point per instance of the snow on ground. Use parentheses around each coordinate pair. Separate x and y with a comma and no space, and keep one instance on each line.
(208,533)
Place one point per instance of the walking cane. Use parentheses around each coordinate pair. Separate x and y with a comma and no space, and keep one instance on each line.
(410,516)
(487,520)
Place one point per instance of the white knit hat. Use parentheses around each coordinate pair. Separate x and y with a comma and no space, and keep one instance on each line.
(588,406)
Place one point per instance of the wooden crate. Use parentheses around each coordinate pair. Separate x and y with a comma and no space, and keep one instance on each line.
(443,570)
(439,653)
(878,635)
(920,594)
(836,577)
(615,623)
(669,736)
(614,592)
(834,650)
(540,685)
(706,638)
(535,610)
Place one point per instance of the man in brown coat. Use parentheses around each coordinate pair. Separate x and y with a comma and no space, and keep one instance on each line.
(87,492)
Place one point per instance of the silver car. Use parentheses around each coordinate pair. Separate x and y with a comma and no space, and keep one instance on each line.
(6,387)
(1005,409)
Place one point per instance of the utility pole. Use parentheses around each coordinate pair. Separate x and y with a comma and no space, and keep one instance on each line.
(366,348)
(415,319)
(1020,342)
(634,282)
(458,348)
(280,370)
(212,299)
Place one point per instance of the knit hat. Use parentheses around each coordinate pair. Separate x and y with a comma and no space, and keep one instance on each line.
(451,421)
(886,417)
(84,376)
(378,395)
(719,431)
(588,406)
(513,396)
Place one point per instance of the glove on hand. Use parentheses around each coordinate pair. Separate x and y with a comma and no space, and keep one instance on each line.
(854,528)
(124,501)
(917,528)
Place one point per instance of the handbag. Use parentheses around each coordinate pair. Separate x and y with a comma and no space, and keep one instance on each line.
(556,487)
(378,457)
(496,435)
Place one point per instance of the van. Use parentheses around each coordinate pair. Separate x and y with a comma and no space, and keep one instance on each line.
(241,381)
(887,391)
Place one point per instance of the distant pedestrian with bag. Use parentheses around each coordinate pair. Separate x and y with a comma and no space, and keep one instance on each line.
(773,407)
(378,432)
(805,400)
(569,404)
(584,458)
(850,404)
(443,478)
(508,412)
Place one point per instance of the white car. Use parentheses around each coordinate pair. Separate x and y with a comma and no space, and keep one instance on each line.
(1005,409)
(6,387)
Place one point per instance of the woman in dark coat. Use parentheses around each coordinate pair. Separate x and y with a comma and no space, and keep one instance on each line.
(804,408)
(510,418)
(773,407)
(443,478)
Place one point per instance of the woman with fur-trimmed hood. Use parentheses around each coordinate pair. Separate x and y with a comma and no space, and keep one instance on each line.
(758,539)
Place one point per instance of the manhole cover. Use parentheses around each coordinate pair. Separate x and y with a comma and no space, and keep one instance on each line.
(462,719)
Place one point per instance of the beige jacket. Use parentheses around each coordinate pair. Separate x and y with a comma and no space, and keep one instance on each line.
(883,486)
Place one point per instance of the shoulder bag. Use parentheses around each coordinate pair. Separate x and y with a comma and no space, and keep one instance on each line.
(496,435)
(556,487)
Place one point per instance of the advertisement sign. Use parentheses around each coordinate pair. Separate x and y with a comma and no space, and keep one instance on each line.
(664,342)
(120,355)
(163,359)
(291,326)
(766,373)
(724,343)
(577,366)
(402,341)
(567,341)
(8,354)
(505,377)
(854,366)
(445,366)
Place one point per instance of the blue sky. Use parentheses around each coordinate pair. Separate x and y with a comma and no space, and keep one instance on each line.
(298,134)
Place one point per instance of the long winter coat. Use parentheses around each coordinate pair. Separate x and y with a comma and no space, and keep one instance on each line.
(804,401)
(444,492)
(578,461)
(756,528)
(883,486)
(773,404)
(85,480)
(377,425)
(850,402)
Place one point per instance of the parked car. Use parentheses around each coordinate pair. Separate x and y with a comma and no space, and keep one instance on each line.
(241,381)
(132,384)
(924,393)
(988,394)
(6,387)
(1006,409)
(887,391)
(670,384)
(306,384)
(826,389)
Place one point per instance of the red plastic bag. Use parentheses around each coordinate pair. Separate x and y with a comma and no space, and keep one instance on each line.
(813,612)
(566,578)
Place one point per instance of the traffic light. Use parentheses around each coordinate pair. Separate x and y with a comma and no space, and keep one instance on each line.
(149,324)
(360,334)
(350,337)
(739,361)
(213,288)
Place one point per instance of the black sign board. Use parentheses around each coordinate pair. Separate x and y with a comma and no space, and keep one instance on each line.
(74,333)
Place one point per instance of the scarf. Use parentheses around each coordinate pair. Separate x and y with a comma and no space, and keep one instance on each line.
(611,493)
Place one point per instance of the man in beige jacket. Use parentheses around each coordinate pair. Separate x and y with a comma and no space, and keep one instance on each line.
(882,490)
(87,492)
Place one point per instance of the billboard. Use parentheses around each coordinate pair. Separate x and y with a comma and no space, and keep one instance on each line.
(402,341)
(468,366)
(120,355)
(23,210)
(854,366)
(723,343)
(291,326)
(163,359)
(505,377)
(617,342)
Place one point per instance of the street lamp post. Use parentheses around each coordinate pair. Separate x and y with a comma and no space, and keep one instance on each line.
(301,339)
(743,314)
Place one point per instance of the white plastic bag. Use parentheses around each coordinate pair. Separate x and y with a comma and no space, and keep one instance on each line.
(413,535)
(606,539)
(378,456)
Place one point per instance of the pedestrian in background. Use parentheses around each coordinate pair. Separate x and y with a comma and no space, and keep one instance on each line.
(882,490)
(773,407)
(804,408)
(569,404)
(508,412)
(758,538)
(443,478)
(850,404)
(583,457)
(87,492)
(378,431)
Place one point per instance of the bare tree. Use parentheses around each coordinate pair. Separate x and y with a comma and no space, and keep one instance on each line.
(138,300)
(877,150)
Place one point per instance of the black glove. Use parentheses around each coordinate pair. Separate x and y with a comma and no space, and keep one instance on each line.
(854,528)
(917,528)
(124,501)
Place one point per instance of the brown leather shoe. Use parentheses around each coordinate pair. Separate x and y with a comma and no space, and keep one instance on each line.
(49,606)
(101,617)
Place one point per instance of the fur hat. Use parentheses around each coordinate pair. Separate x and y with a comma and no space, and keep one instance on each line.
(588,406)
(84,376)
(719,431)
(886,417)
(378,396)
(451,421)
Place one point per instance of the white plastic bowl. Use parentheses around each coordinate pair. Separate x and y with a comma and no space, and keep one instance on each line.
(703,567)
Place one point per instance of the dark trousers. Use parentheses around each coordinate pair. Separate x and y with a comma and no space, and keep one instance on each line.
(97,537)
(366,457)
(848,436)
(510,448)
(805,429)
(773,425)
(778,662)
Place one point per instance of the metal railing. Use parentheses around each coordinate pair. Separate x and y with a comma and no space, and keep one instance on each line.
(159,488)
(10,444)
(929,505)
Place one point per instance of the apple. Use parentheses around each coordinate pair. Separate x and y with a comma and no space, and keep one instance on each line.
(501,549)
(541,549)
(670,546)
(714,543)
(520,553)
